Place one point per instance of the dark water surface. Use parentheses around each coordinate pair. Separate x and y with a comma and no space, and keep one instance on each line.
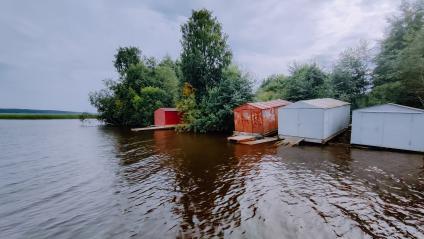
(60,179)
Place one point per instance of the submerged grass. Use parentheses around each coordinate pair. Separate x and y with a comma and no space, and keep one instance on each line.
(47,116)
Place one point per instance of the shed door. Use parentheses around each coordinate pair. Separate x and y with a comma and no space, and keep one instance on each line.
(396,131)
(246,121)
(288,121)
(269,123)
(238,123)
(417,132)
(256,121)
(371,131)
(310,123)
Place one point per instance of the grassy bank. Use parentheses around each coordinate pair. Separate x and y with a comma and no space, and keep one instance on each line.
(46,116)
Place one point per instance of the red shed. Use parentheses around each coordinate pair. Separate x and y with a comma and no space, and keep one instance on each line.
(259,117)
(167,116)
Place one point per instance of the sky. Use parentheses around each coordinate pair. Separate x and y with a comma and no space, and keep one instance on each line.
(53,53)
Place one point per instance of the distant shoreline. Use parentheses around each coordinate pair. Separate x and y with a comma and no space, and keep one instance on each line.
(24,116)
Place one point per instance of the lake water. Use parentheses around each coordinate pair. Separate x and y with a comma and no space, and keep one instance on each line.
(65,179)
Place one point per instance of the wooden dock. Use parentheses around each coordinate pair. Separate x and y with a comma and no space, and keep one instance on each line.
(154,128)
(260,141)
(241,138)
(290,141)
(251,139)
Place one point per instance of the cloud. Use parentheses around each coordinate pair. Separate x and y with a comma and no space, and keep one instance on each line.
(273,34)
(53,53)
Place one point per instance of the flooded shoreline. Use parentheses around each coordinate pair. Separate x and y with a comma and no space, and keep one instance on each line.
(63,180)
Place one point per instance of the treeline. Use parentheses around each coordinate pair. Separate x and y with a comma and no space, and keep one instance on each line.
(206,86)
(143,86)
(34,116)
(395,74)
(32,111)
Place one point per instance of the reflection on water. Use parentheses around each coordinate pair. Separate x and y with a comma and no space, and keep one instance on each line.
(59,179)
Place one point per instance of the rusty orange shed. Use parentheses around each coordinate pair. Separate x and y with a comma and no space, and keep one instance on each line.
(259,117)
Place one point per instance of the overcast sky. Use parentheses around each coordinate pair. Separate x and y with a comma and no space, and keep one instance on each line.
(53,53)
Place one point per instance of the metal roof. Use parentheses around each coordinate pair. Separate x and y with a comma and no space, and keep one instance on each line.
(324,103)
(391,108)
(270,104)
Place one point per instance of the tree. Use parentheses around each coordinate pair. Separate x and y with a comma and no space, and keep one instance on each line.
(140,75)
(143,87)
(187,104)
(170,82)
(126,57)
(216,109)
(149,100)
(307,81)
(273,87)
(351,74)
(401,32)
(411,72)
(212,88)
(382,94)
(205,53)
(398,62)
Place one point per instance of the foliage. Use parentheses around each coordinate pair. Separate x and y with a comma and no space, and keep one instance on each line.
(402,31)
(107,105)
(381,94)
(351,74)
(205,52)
(167,73)
(206,87)
(400,61)
(307,81)
(125,57)
(212,87)
(397,75)
(187,105)
(411,72)
(147,101)
(273,87)
(216,108)
(143,87)
(215,111)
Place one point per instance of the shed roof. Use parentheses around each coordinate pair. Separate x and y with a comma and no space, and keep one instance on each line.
(270,104)
(168,109)
(324,103)
(391,108)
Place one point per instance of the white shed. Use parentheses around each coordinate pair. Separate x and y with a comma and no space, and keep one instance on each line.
(389,126)
(316,120)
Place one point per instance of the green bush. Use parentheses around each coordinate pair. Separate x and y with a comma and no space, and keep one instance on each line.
(216,108)
(143,87)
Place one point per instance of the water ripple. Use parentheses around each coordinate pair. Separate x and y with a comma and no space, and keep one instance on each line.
(94,182)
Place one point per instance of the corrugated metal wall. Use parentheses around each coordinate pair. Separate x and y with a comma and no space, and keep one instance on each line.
(307,123)
(336,119)
(249,119)
(388,129)
(313,124)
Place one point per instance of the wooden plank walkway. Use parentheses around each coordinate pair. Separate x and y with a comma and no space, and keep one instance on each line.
(261,141)
(290,142)
(154,128)
(241,138)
